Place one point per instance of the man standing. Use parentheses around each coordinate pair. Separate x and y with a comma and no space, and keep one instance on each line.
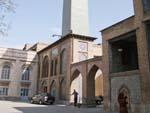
(75,93)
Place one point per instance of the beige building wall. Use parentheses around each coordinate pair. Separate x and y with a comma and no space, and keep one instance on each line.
(18,59)
(86,48)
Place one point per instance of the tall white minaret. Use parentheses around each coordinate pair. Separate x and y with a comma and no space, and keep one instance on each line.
(75,17)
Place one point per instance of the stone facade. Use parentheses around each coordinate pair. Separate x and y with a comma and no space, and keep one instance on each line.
(120,74)
(75,61)
(77,48)
(90,72)
(18,72)
(18,61)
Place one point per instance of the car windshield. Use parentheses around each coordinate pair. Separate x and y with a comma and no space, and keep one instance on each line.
(43,94)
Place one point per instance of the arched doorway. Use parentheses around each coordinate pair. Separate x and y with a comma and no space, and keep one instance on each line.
(43,88)
(125,91)
(53,88)
(94,84)
(62,89)
(76,83)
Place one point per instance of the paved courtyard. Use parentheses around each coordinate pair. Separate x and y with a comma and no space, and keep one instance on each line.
(20,107)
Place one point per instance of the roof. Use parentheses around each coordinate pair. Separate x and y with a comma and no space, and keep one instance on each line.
(117,23)
(83,37)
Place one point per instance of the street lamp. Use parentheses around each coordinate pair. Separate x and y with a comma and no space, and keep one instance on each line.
(55,35)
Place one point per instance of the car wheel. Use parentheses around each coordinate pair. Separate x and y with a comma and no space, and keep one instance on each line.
(51,103)
(98,102)
(40,102)
(31,101)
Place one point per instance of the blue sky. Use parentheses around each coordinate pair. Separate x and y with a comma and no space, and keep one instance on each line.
(37,20)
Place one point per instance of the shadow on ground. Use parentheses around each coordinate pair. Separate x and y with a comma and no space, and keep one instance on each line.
(58,109)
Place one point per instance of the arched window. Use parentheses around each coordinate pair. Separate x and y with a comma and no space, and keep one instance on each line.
(45,67)
(63,61)
(5,72)
(52,67)
(55,68)
(26,74)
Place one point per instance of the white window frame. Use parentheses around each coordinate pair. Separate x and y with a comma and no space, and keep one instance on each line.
(26,74)
(6,72)
(4,91)
(24,92)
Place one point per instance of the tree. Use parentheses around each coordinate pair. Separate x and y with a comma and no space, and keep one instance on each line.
(6,6)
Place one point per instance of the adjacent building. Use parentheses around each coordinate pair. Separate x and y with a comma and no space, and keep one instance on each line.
(76,62)
(18,72)
(55,63)
(126,60)
(74,46)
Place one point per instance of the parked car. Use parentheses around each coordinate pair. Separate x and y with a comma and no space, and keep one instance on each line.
(43,98)
(99,100)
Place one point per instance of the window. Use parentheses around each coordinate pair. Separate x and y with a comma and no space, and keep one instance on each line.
(52,67)
(5,72)
(146,5)
(45,67)
(55,71)
(123,53)
(26,74)
(3,91)
(24,92)
(63,60)
(54,64)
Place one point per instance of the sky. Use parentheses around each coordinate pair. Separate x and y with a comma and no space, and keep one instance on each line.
(37,20)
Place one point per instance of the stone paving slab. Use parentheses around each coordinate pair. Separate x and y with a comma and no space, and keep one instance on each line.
(20,107)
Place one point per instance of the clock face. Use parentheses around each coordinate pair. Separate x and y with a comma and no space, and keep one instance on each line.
(83,46)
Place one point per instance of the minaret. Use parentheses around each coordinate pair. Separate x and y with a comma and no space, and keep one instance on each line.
(75,17)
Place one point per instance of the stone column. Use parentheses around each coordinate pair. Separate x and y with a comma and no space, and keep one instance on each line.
(84,84)
(105,70)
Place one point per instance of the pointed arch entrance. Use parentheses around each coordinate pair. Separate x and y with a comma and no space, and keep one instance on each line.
(62,89)
(53,88)
(94,84)
(76,83)
(126,93)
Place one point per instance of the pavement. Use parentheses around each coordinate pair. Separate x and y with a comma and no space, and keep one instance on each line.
(24,107)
